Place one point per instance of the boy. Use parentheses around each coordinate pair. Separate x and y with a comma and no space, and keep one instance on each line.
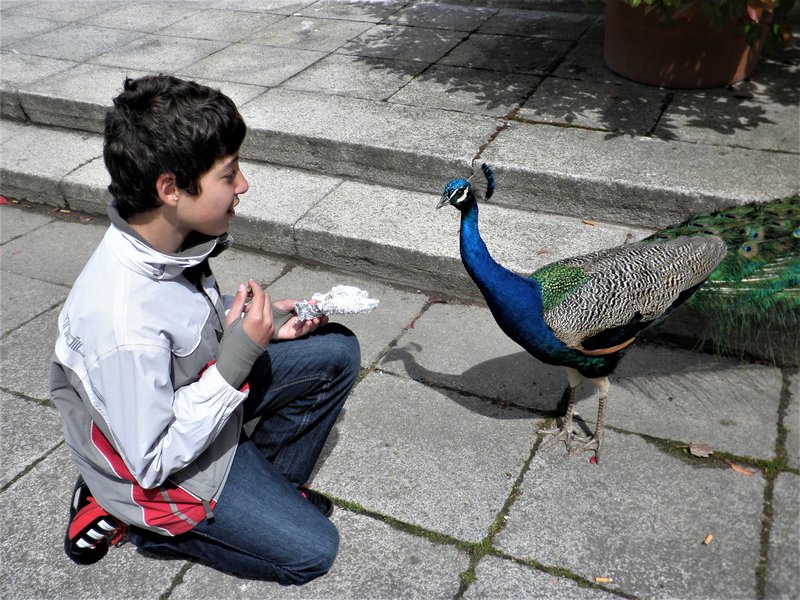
(155,379)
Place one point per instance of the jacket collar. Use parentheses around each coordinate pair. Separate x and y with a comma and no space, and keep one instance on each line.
(138,255)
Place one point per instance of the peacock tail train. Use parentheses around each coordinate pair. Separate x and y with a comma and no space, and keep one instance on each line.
(754,293)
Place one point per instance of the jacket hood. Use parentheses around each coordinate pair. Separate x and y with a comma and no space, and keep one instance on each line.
(139,256)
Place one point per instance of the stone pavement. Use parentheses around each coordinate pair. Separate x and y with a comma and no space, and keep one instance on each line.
(435,467)
(358,113)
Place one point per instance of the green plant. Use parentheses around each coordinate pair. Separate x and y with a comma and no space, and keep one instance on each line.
(752,18)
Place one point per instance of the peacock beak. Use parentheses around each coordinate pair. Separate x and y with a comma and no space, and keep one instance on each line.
(445,199)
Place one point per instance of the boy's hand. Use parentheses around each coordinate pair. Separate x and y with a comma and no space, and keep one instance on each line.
(293,328)
(258,323)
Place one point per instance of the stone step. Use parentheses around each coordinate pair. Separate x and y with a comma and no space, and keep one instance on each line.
(582,172)
(378,230)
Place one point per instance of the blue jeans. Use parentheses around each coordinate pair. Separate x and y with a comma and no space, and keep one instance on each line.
(262,527)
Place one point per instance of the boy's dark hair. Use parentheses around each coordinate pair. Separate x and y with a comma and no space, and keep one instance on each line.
(162,124)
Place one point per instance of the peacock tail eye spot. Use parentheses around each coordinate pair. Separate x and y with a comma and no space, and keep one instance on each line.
(748,249)
(796,233)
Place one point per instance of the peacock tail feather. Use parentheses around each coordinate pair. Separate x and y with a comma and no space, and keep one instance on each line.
(756,287)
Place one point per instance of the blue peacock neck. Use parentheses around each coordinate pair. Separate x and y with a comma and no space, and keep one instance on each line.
(502,289)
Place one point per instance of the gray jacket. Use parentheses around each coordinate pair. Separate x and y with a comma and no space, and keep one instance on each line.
(152,424)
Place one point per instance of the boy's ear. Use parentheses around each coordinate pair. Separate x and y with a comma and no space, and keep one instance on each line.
(166,189)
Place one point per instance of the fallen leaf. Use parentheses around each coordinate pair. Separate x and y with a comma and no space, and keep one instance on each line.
(740,469)
(588,222)
(701,450)
(593,459)
(708,539)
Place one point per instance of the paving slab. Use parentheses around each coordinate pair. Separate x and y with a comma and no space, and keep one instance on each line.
(18,417)
(442,16)
(680,395)
(248,63)
(783,559)
(152,52)
(77,98)
(223,25)
(17,28)
(86,188)
(146,17)
(76,41)
(406,239)
(276,201)
(36,509)
(735,116)
(627,108)
(791,421)
(538,23)
(20,69)
(419,44)
(585,62)
(58,10)
(35,160)
(467,90)
(460,347)
(234,266)
(403,146)
(375,330)
(16,222)
(368,11)
(55,252)
(23,298)
(502,578)
(641,520)
(308,33)
(424,469)
(25,356)
(510,54)
(373,79)
(374,561)
(606,178)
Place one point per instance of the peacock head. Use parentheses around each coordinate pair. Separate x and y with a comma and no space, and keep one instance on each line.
(457,192)
(460,194)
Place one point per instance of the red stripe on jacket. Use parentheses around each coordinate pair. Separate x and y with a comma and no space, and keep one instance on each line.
(157,510)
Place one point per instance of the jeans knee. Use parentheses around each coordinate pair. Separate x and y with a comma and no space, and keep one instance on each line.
(343,350)
(317,562)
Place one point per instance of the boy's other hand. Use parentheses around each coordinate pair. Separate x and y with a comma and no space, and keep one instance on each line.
(257,321)
(293,328)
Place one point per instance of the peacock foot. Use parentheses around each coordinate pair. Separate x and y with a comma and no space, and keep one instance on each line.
(591,442)
(565,434)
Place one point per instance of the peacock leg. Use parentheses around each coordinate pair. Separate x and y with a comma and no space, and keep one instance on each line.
(564,433)
(595,441)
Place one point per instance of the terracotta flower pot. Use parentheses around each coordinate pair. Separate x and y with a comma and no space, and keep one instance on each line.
(689,54)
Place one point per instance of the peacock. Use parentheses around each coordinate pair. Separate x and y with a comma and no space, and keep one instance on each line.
(583,313)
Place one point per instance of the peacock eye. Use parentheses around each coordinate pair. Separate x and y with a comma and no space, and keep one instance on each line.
(748,250)
(754,234)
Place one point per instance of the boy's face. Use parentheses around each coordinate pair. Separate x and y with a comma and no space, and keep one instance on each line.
(211,211)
